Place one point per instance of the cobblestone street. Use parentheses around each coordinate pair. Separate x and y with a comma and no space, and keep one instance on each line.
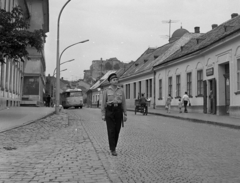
(53,149)
(158,149)
(73,147)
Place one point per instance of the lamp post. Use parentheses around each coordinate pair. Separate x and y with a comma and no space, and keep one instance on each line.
(60,71)
(63,63)
(71,46)
(58,61)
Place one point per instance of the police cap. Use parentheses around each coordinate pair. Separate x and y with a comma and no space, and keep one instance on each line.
(111,76)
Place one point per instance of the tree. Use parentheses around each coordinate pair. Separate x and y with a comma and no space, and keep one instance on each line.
(108,66)
(15,36)
(116,67)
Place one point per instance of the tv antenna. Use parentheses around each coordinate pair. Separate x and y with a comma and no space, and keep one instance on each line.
(170,22)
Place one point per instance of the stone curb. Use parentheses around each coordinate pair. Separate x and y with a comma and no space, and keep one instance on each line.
(232,126)
(28,122)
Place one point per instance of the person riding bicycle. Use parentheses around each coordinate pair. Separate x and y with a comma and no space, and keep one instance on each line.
(143,102)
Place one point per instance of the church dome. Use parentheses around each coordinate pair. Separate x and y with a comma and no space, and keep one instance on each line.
(178,34)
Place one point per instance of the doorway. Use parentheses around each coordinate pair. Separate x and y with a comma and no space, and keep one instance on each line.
(209,96)
(224,88)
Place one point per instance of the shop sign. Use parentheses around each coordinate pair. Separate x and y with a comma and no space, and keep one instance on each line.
(210,71)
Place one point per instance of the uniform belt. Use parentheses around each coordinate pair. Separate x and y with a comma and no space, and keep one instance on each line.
(114,104)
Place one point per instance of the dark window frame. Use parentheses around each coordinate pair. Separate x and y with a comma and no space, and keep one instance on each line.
(200,82)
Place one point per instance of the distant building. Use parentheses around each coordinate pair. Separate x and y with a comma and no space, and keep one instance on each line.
(101,67)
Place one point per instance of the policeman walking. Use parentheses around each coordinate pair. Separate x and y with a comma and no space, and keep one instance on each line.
(113,111)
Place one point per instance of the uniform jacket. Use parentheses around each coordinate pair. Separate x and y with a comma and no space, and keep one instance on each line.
(116,96)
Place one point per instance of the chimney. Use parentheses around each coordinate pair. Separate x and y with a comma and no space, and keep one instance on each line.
(197,29)
(214,26)
(234,15)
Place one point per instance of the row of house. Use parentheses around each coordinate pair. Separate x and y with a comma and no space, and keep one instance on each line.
(197,63)
(23,82)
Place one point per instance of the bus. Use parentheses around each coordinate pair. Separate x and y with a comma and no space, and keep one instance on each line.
(72,98)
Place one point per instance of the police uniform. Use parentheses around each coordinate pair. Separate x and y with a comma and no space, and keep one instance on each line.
(113,107)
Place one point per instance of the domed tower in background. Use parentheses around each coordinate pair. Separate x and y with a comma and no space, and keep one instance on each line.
(177,34)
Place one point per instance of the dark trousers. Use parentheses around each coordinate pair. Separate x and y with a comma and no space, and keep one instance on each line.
(185,105)
(114,117)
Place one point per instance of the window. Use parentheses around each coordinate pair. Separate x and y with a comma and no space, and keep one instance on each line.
(127,91)
(150,83)
(189,83)
(160,89)
(147,88)
(134,90)
(1,71)
(170,86)
(139,88)
(238,74)
(3,4)
(31,85)
(178,86)
(200,82)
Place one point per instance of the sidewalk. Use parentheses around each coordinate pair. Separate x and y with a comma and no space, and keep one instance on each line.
(225,121)
(19,116)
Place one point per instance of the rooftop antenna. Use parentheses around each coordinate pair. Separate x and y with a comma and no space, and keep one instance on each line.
(170,22)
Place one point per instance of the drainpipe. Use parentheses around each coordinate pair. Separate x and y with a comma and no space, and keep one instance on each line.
(154,89)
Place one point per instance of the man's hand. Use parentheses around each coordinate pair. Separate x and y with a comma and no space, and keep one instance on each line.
(124,118)
(103,118)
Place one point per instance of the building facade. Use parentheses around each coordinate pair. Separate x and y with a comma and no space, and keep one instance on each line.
(23,82)
(34,69)
(140,77)
(11,72)
(208,68)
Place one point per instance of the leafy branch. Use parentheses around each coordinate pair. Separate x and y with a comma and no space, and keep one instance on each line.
(15,36)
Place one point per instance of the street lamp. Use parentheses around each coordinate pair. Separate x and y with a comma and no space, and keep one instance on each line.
(60,71)
(71,46)
(58,62)
(63,63)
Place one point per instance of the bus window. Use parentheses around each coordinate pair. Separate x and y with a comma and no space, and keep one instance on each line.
(75,94)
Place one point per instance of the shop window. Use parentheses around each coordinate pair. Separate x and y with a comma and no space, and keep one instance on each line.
(200,83)
(31,85)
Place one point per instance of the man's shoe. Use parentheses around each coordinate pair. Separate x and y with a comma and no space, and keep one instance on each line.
(114,153)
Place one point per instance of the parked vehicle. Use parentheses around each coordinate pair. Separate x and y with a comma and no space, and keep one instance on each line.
(72,98)
(140,108)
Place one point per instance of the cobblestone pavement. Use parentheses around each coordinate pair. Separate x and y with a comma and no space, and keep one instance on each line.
(158,149)
(54,149)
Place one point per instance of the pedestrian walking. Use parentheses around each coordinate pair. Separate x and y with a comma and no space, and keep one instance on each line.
(168,103)
(98,103)
(113,110)
(48,100)
(143,102)
(211,100)
(180,105)
(186,100)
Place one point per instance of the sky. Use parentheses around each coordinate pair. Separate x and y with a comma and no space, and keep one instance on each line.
(123,28)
